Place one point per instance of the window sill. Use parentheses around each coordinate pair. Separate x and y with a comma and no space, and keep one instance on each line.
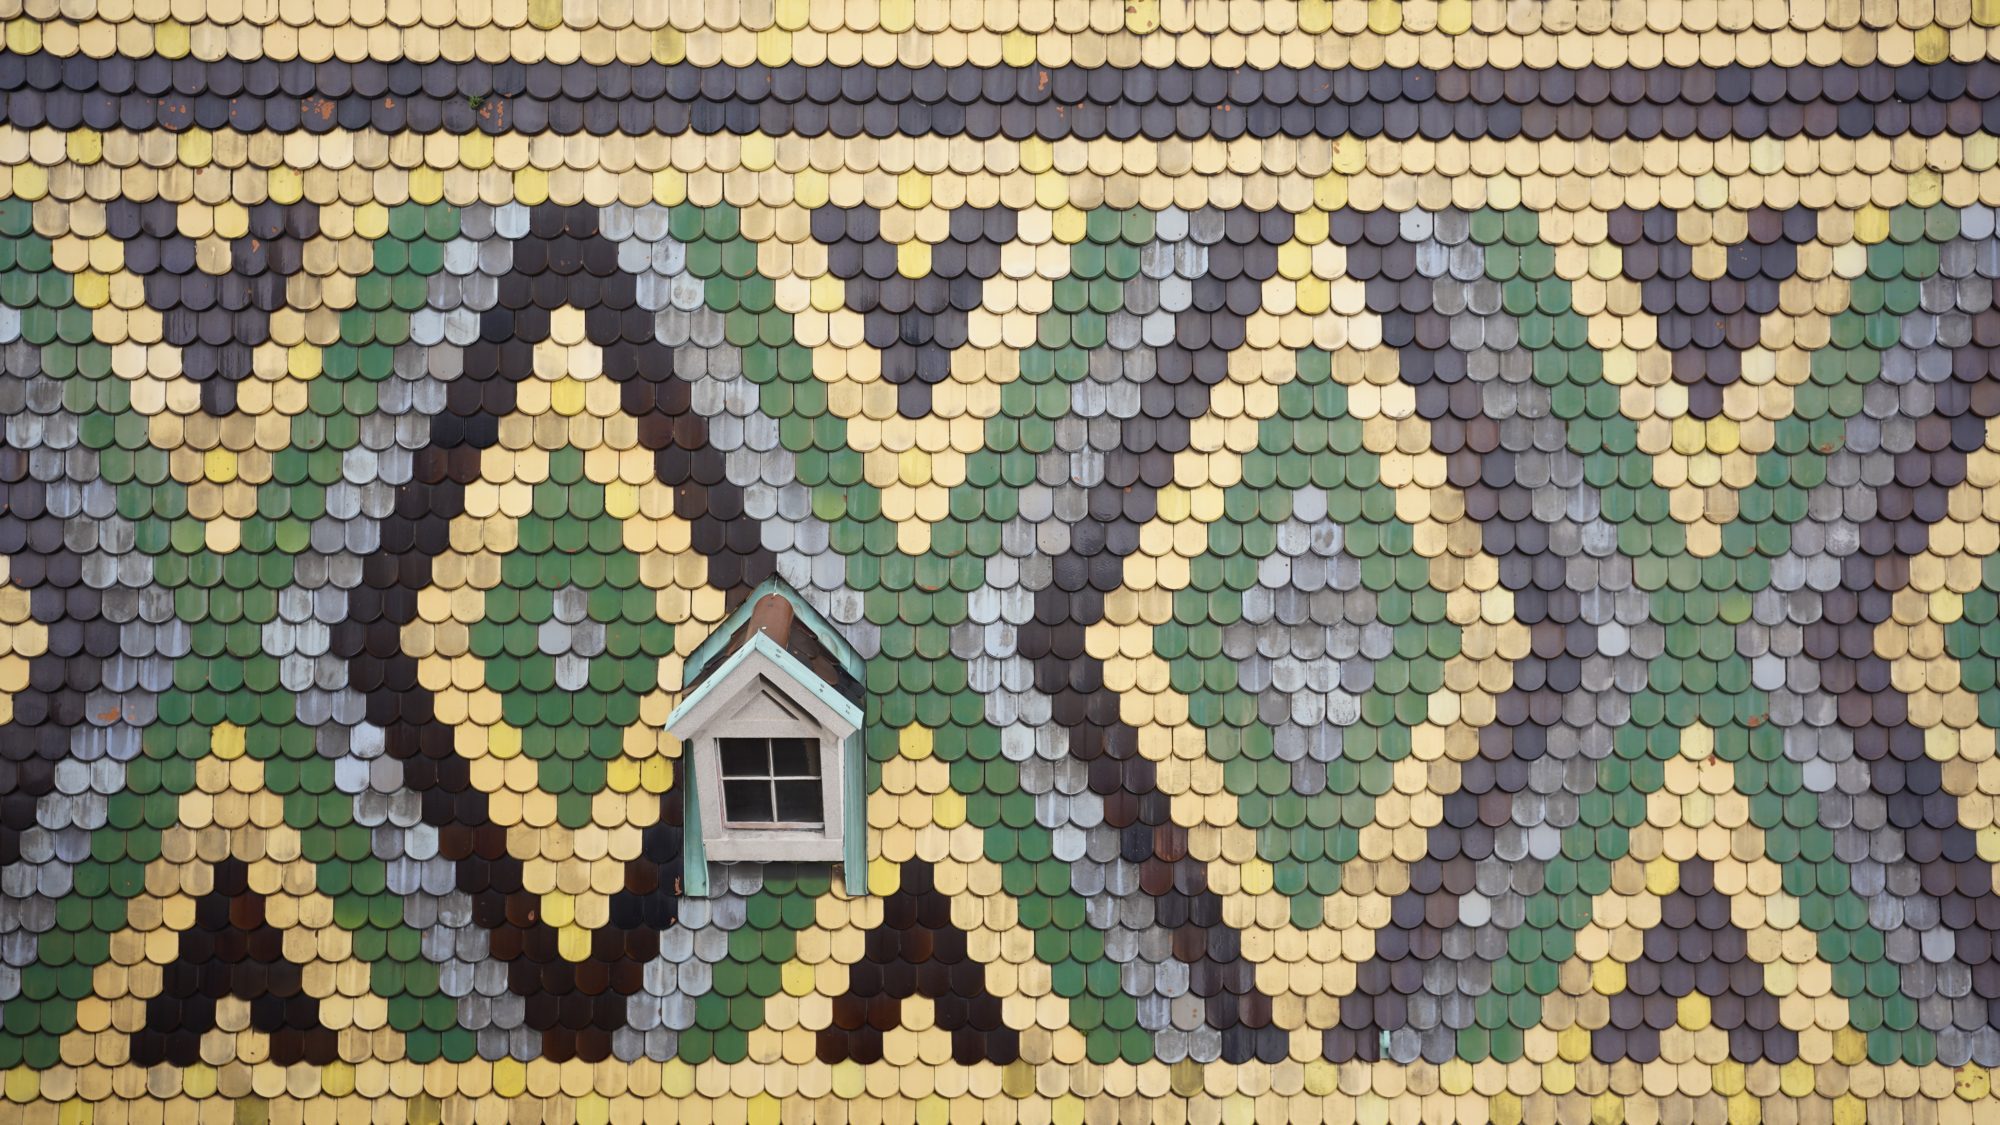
(772,847)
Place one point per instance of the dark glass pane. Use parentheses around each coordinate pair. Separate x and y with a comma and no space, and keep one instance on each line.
(746,802)
(745,757)
(794,757)
(799,801)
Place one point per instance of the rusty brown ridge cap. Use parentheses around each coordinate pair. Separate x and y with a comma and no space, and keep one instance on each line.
(774,617)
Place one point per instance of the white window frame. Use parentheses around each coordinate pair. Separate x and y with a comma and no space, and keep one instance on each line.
(737,843)
(763,692)
(768,777)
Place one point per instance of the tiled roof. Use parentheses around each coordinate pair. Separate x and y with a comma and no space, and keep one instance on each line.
(1415,562)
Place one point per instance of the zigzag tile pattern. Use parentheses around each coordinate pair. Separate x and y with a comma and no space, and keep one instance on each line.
(1427,561)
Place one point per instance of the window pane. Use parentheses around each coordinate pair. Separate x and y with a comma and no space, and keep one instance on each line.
(746,802)
(794,757)
(799,801)
(745,757)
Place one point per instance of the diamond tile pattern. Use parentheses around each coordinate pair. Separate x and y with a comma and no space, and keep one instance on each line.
(1429,561)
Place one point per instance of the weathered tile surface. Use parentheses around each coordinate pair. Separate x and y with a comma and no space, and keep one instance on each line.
(1428,561)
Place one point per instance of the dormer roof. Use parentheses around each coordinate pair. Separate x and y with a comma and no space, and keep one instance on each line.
(775,630)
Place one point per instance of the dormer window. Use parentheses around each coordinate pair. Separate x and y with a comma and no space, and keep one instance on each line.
(771,783)
(768,723)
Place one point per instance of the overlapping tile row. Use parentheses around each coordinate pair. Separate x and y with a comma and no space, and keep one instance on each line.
(1487,612)
(1260,33)
(1016,102)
